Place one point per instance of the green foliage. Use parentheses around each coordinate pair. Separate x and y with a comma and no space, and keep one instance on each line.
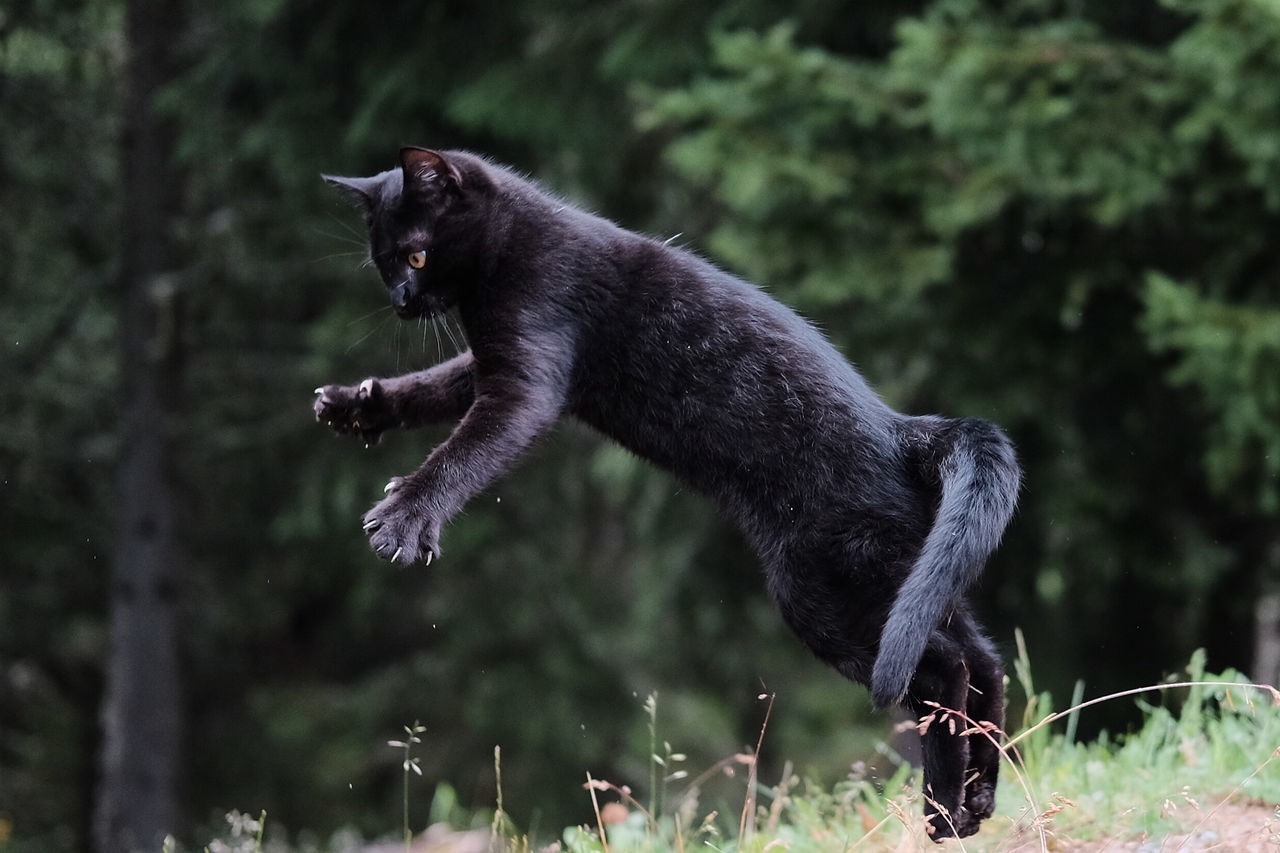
(787,141)
(1228,56)
(1230,353)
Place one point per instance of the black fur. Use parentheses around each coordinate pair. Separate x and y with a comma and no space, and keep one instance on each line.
(870,524)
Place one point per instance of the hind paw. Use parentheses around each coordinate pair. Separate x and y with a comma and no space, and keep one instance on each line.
(980,799)
(960,824)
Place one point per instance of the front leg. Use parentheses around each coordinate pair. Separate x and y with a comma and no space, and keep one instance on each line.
(440,394)
(510,410)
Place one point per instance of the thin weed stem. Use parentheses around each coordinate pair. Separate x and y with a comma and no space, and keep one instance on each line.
(870,832)
(747,823)
(499,814)
(1077,696)
(595,805)
(1196,830)
(1154,688)
(410,764)
(651,709)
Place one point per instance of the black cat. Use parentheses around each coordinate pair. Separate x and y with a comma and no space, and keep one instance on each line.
(870,524)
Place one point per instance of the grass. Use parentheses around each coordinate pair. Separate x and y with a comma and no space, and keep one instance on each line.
(1221,745)
(1207,743)
(1216,741)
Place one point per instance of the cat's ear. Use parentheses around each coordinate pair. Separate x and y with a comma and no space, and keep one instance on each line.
(427,169)
(362,191)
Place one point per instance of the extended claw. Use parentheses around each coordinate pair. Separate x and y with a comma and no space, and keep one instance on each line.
(396,555)
(427,561)
(372,524)
(318,391)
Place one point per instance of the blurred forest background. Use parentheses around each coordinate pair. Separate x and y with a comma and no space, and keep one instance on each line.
(1058,215)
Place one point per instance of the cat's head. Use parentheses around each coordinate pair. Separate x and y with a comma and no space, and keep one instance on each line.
(403,209)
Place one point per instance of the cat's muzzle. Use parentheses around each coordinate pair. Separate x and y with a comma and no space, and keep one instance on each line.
(418,305)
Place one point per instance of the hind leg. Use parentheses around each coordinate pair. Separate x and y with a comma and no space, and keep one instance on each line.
(942,678)
(985,705)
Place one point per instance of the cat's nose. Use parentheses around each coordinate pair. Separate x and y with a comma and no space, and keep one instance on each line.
(400,297)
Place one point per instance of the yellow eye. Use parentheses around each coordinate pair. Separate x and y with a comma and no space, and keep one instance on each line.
(417,260)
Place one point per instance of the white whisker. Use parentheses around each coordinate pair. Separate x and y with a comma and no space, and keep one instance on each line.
(370,314)
(457,348)
(361,242)
(435,327)
(354,232)
(396,345)
(336,255)
(366,335)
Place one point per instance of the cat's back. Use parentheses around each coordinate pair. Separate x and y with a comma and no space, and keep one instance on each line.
(684,295)
(681,361)
(708,375)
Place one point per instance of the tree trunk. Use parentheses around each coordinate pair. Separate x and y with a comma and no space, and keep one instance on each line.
(136,799)
(1266,628)
(1266,653)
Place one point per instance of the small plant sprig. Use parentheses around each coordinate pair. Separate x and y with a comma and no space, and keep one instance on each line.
(410,763)
(246,835)
(662,769)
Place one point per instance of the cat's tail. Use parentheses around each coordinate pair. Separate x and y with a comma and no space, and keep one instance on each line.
(979,475)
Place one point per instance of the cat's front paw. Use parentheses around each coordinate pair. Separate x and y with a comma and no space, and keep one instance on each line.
(401,527)
(362,410)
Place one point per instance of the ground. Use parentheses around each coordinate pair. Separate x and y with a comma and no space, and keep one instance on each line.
(1225,828)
